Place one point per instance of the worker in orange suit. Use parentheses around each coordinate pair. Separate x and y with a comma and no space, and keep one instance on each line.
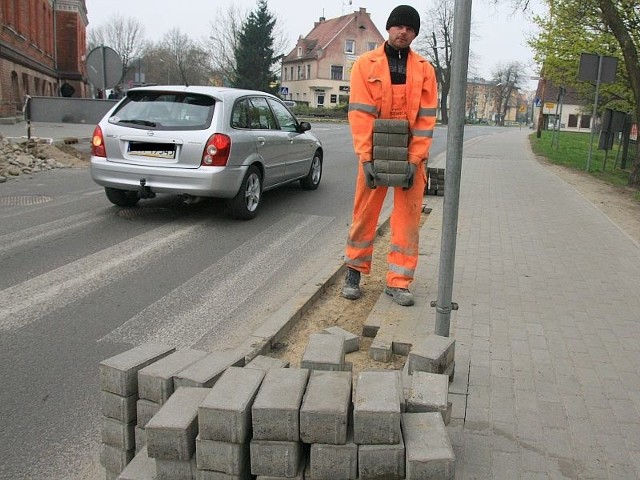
(390,82)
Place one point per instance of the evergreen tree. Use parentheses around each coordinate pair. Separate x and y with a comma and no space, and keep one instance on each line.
(254,52)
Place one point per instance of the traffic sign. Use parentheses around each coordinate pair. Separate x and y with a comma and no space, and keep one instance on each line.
(538,102)
(284,90)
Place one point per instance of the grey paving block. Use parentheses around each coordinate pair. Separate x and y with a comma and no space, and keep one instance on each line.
(428,448)
(299,476)
(351,340)
(225,414)
(263,362)
(323,352)
(376,411)
(171,433)
(155,382)
(115,459)
(142,467)
(145,410)
(390,139)
(119,374)
(324,412)
(387,125)
(118,434)
(432,354)
(276,458)
(384,166)
(140,437)
(276,408)
(334,462)
(429,392)
(118,407)
(224,457)
(395,154)
(206,371)
(381,349)
(175,469)
(377,462)
(213,475)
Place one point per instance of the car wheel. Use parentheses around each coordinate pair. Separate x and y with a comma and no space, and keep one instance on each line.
(122,198)
(312,180)
(244,206)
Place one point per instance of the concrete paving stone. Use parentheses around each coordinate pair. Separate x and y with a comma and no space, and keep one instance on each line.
(264,363)
(323,352)
(117,407)
(324,412)
(118,434)
(376,411)
(372,324)
(276,458)
(115,459)
(428,393)
(155,382)
(142,467)
(206,371)
(171,433)
(276,409)
(377,462)
(434,354)
(213,475)
(301,475)
(334,462)
(175,469)
(140,437)
(225,414)
(226,457)
(351,341)
(381,349)
(145,410)
(428,448)
(119,374)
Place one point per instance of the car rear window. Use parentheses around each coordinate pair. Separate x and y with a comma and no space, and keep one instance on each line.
(164,111)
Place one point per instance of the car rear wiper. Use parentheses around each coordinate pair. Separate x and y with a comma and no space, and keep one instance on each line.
(146,123)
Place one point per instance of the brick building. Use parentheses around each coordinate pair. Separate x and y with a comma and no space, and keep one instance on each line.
(42,51)
(317,70)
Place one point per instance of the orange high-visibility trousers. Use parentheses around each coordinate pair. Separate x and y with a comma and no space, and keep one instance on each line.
(402,257)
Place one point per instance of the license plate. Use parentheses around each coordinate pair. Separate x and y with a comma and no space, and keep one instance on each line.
(150,150)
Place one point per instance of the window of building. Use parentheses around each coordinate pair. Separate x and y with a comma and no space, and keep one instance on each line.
(573,121)
(291,73)
(585,121)
(336,72)
(334,98)
(299,72)
(284,74)
(350,46)
(371,46)
(320,100)
(299,52)
(308,72)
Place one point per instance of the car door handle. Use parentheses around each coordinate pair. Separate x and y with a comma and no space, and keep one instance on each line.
(291,140)
(260,140)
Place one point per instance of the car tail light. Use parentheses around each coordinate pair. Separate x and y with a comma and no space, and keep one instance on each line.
(216,152)
(97,144)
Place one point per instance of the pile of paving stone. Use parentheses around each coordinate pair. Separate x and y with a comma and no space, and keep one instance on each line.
(23,157)
(190,414)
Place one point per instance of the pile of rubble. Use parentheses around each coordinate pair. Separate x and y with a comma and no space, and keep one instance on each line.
(24,157)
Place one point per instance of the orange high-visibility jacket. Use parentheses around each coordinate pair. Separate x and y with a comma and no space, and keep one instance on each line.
(370,98)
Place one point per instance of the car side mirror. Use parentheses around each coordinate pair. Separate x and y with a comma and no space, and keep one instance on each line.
(304,127)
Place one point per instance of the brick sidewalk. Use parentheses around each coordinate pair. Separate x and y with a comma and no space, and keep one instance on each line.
(547,334)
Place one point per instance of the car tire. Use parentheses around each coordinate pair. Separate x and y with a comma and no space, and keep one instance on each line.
(312,180)
(122,198)
(244,206)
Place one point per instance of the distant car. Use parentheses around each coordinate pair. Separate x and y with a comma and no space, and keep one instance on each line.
(289,103)
(202,142)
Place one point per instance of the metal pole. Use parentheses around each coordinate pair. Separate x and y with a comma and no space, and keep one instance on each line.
(595,112)
(455,139)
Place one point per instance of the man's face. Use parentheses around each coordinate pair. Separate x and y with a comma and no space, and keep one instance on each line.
(401,36)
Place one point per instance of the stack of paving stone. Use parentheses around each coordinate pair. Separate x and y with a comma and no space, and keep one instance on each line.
(119,395)
(435,181)
(390,152)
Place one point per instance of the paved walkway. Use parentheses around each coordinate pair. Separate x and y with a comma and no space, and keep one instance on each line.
(547,381)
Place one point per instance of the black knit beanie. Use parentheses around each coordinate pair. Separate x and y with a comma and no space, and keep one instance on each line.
(404,15)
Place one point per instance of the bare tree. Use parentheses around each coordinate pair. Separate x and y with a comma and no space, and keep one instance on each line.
(507,80)
(125,35)
(185,58)
(435,45)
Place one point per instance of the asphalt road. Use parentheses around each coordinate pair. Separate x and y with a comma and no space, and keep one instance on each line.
(83,280)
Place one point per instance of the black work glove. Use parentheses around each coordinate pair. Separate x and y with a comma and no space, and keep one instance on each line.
(369,174)
(411,173)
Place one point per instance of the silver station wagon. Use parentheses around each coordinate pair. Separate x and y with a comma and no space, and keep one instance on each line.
(202,142)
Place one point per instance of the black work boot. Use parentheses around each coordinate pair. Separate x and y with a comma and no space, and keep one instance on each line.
(401,296)
(351,289)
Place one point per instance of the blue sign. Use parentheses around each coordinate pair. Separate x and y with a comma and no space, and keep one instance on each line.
(284,90)
(538,102)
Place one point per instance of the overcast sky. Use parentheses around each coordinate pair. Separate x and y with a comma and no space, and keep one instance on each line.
(498,34)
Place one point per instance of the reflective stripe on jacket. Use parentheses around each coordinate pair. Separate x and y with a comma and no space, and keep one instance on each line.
(370,98)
